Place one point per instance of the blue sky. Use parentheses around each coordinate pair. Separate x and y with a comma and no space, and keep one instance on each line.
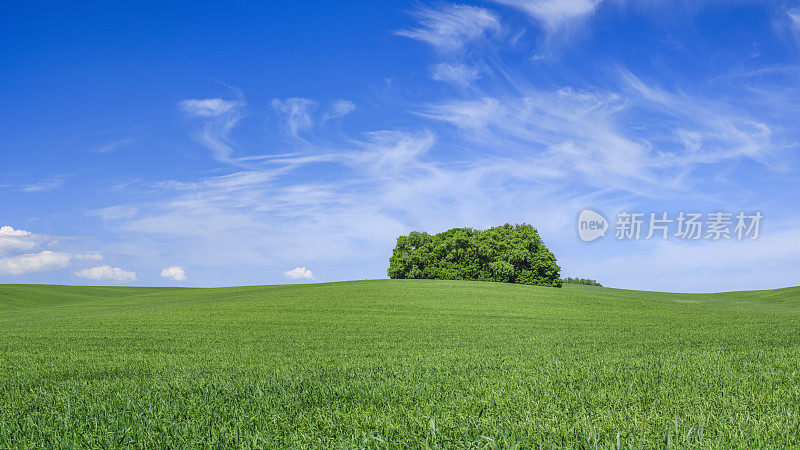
(197,144)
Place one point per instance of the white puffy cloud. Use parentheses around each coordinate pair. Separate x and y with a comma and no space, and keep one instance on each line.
(20,246)
(451,26)
(15,241)
(107,273)
(299,273)
(10,231)
(33,262)
(176,273)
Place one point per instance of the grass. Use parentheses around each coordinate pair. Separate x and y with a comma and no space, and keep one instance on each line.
(393,363)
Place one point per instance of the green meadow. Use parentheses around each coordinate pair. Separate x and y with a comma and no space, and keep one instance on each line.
(397,363)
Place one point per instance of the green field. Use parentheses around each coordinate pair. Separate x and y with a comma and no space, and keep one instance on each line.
(390,363)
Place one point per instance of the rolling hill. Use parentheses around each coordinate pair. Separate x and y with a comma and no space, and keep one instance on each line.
(392,362)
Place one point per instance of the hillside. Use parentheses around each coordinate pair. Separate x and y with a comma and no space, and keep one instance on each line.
(442,363)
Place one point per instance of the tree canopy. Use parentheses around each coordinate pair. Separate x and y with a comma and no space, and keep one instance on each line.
(508,254)
(584,281)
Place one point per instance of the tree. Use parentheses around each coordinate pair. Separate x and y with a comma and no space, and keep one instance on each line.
(508,254)
(584,281)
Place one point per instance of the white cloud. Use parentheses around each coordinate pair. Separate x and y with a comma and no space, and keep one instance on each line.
(339,108)
(299,273)
(297,113)
(10,231)
(219,116)
(111,146)
(473,115)
(115,212)
(553,14)
(35,262)
(285,211)
(176,273)
(107,273)
(89,256)
(14,241)
(451,26)
(794,22)
(208,107)
(22,245)
(794,15)
(458,74)
(43,186)
(637,139)
(717,131)
(571,133)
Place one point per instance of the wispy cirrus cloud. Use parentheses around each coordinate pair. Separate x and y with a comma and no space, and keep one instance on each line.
(553,14)
(557,22)
(296,114)
(88,256)
(209,107)
(567,131)
(111,146)
(450,27)
(794,16)
(457,73)
(793,19)
(709,131)
(114,212)
(43,186)
(339,108)
(590,133)
(219,117)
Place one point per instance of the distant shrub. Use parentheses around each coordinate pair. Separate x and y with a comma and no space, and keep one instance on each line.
(508,254)
(584,281)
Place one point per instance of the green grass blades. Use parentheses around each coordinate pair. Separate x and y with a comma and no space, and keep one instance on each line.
(392,363)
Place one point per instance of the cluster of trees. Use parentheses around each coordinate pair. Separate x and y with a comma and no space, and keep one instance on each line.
(584,281)
(509,254)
